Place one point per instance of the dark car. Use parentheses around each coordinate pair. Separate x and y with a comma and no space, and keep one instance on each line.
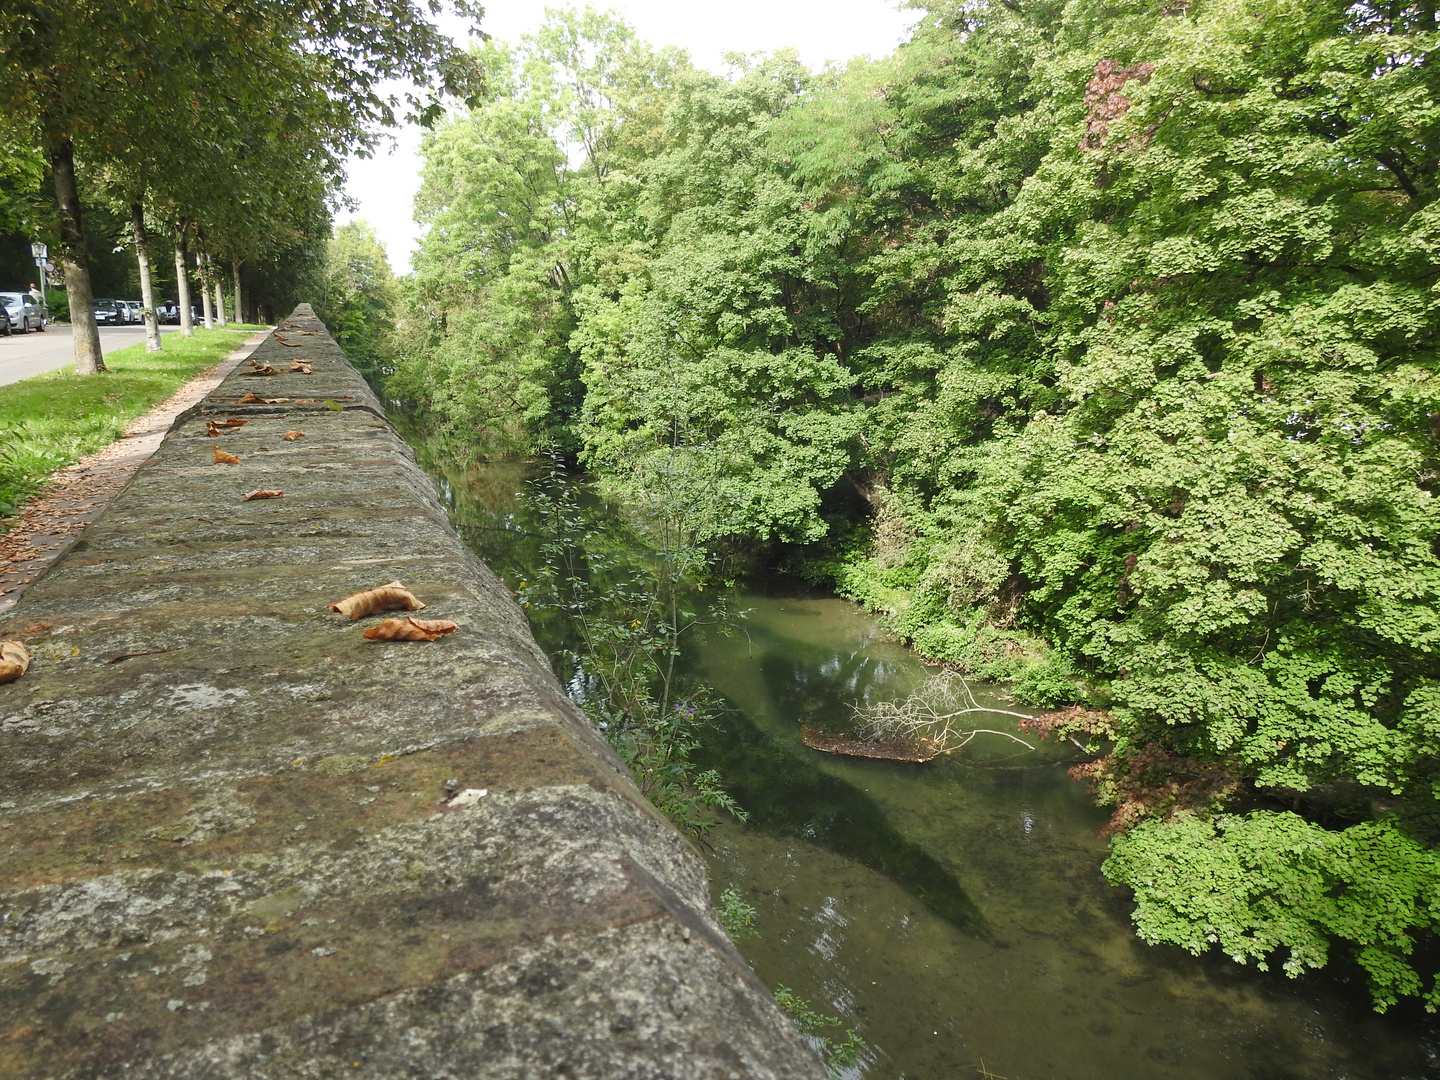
(109,312)
(168,312)
(22,312)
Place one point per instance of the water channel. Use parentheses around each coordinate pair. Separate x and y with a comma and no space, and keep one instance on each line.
(953,912)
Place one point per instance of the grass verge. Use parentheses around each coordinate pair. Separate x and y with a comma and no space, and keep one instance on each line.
(49,421)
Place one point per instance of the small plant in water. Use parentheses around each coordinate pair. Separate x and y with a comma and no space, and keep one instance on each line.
(838,1054)
(736,916)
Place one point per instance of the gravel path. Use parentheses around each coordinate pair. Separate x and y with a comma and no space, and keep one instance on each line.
(77,495)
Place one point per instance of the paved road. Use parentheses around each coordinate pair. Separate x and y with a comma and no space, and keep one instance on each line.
(23,355)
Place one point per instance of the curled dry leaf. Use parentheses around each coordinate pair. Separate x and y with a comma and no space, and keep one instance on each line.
(212,429)
(399,630)
(291,436)
(233,421)
(292,344)
(222,458)
(14,660)
(251,399)
(373,600)
(435,626)
(266,370)
(263,494)
(301,366)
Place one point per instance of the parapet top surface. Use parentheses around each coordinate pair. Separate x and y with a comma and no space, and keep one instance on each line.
(232,830)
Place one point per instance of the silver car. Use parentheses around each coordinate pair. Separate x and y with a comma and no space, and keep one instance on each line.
(23,312)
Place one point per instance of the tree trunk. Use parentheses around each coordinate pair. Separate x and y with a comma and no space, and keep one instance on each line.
(182,282)
(75,259)
(202,273)
(147,287)
(239,297)
(219,297)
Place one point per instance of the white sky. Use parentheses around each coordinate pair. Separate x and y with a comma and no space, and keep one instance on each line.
(820,30)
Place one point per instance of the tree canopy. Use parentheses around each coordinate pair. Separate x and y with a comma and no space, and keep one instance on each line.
(236,115)
(1094,341)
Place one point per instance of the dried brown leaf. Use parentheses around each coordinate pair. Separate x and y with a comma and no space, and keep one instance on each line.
(435,626)
(14,660)
(399,630)
(263,494)
(291,436)
(373,600)
(251,399)
(222,458)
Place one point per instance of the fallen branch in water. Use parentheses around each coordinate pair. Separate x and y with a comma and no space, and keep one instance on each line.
(931,714)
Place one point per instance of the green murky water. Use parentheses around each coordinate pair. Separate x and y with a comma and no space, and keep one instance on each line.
(954,912)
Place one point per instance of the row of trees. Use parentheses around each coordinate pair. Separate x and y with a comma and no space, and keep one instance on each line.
(1113,324)
(226,121)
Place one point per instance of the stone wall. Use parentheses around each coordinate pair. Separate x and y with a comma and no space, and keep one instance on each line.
(229,839)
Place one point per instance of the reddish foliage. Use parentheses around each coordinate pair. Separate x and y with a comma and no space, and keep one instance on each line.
(1066,723)
(1154,782)
(1105,101)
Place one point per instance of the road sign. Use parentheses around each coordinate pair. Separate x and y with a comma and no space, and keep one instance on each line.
(39,251)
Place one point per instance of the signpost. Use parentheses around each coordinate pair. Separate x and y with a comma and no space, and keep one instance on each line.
(41,254)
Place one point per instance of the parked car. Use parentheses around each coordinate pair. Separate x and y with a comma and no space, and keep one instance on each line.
(168,312)
(22,312)
(109,312)
(128,314)
(137,311)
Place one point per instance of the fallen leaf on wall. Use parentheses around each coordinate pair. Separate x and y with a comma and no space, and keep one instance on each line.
(222,458)
(291,436)
(264,494)
(251,399)
(373,600)
(399,630)
(14,660)
(435,626)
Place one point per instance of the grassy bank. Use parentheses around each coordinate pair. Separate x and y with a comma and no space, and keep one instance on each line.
(52,420)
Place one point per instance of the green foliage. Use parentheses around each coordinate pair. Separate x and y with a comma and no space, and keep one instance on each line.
(359,301)
(1121,322)
(630,623)
(838,1054)
(1264,883)
(736,916)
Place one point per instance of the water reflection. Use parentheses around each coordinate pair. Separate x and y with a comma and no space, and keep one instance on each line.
(787,795)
